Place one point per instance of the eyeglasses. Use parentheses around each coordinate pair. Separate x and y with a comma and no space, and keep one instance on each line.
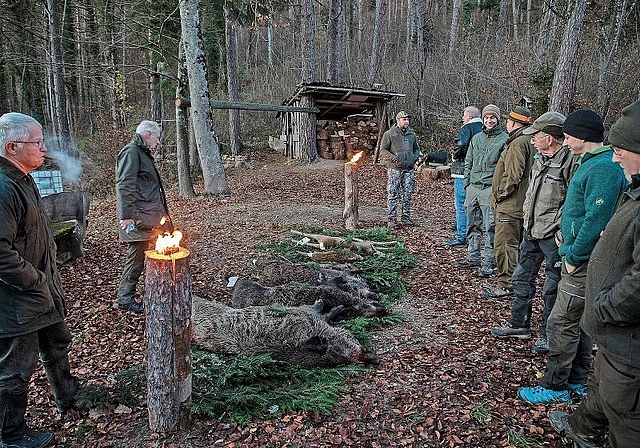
(617,151)
(39,143)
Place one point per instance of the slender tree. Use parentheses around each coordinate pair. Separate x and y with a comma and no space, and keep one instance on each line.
(378,40)
(231,42)
(182,129)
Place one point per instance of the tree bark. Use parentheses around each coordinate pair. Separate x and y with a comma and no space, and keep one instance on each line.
(61,119)
(564,78)
(232,79)
(308,25)
(378,41)
(167,301)
(215,182)
(350,213)
(455,25)
(185,185)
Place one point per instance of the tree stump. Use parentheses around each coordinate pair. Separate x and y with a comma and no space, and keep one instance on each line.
(350,213)
(167,304)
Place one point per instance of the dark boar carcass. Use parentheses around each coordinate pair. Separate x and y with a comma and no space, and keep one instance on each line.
(357,296)
(247,293)
(298,335)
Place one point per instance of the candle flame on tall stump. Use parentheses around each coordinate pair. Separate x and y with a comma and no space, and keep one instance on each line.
(167,302)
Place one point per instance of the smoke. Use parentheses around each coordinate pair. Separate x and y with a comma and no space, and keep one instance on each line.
(63,153)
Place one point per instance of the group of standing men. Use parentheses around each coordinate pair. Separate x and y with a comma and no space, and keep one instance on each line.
(551,191)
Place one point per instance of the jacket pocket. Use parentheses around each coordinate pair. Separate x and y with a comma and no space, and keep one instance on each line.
(30,306)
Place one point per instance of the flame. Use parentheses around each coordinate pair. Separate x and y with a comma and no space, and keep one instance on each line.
(163,220)
(356,158)
(169,242)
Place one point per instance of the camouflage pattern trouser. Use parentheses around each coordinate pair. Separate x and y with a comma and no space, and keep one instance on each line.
(397,179)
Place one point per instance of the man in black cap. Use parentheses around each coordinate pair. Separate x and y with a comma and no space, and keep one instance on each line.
(612,312)
(553,167)
(509,186)
(591,199)
(400,151)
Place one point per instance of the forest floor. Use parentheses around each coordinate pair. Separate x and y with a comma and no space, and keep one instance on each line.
(443,380)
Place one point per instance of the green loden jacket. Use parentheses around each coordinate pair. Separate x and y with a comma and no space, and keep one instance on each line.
(398,149)
(31,295)
(482,157)
(139,192)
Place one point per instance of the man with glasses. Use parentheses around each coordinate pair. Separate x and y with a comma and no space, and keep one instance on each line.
(553,167)
(32,305)
(141,205)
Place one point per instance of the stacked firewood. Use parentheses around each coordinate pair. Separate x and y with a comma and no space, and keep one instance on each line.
(341,140)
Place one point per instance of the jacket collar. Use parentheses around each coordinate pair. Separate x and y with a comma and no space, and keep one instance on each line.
(11,170)
(596,152)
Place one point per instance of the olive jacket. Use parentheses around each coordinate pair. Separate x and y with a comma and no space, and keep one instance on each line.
(139,192)
(482,157)
(399,149)
(511,177)
(612,308)
(31,295)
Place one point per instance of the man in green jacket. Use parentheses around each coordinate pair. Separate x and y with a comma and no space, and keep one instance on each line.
(141,205)
(509,186)
(32,306)
(612,312)
(591,199)
(400,151)
(479,164)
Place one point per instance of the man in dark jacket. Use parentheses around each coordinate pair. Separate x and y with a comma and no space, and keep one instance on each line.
(400,151)
(32,306)
(472,124)
(590,202)
(141,205)
(612,312)
(509,186)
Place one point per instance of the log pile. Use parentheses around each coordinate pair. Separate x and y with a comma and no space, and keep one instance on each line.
(342,140)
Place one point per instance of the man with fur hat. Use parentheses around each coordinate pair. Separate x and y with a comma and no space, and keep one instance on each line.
(509,186)
(612,311)
(479,164)
(400,151)
(591,199)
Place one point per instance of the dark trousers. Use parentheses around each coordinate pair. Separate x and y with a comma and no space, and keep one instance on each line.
(506,242)
(133,267)
(532,253)
(18,362)
(569,348)
(613,401)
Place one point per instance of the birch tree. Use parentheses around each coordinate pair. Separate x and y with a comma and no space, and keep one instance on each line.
(215,182)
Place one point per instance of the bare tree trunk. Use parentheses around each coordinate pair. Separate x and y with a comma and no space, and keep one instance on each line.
(515,19)
(231,40)
(270,49)
(455,25)
(360,26)
(564,78)
(308,26)
(546,32)
(213,174)
(332,41)
(182,130)
(378,41)
(61,119)
(502,32)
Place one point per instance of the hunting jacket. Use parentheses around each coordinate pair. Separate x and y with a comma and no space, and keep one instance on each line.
(482,157)
(612,308)
(511,177)
(139,192)
(546,194)
(399,149)
(31,295)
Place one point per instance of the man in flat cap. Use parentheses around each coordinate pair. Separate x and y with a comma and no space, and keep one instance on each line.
(553,167)
(509,186)
(399,151)
(612,312)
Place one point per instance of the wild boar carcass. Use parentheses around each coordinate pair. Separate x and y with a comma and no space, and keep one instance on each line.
(298,335)
(248,293)
(362,300)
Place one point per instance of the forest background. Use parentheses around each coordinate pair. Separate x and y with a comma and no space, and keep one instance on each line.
(90,71)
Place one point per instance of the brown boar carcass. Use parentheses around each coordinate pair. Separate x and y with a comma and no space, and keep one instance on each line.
(298,335)
(357,296)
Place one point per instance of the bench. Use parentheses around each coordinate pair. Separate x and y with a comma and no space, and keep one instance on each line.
(68,214)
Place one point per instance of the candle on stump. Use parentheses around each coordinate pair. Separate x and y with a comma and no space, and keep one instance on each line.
(350,213)
(167,302)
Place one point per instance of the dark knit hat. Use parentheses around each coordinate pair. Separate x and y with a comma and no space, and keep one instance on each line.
(584,124)
(519,114)
(625,132)
(491,109)
(549,122)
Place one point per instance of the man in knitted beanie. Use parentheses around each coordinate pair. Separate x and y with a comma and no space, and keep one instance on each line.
(479,164)
(591,199)
(612,311)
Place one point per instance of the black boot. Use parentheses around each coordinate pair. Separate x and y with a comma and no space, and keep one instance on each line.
(30,439)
